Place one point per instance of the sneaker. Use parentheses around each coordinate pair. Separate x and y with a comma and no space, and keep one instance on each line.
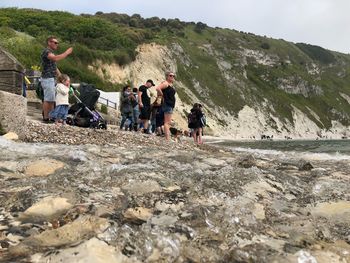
(47,121)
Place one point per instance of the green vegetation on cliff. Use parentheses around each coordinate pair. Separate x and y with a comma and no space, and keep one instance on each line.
(223,68)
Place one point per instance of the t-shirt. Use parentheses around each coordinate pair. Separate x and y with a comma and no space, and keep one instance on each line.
(145,98)
(49,67)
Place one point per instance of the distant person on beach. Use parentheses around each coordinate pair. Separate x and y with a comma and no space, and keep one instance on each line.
(49,72)
(195,123)
(168,92)
(136,109)
(128,101)
(59,114)
(144,97)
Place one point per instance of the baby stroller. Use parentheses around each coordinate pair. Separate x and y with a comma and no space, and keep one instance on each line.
(83,113)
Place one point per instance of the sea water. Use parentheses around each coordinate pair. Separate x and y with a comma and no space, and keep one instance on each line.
(315,149)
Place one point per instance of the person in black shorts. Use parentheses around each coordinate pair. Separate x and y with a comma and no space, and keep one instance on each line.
(144,97)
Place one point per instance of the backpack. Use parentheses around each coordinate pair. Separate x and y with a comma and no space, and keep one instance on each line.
(203,120)
(39,91)
(192,119)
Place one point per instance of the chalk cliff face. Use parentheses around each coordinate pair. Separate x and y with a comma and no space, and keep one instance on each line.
(245,92)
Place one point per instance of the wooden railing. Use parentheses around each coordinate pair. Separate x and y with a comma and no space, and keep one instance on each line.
(108,103)
(35,79)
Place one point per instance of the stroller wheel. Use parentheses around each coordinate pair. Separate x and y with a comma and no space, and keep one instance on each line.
(102,126)
(69,121)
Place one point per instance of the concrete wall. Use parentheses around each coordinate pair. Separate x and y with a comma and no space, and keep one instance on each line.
(13,112)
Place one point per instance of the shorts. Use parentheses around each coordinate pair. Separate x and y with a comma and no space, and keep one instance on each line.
(60,112)
(145,113)
(49,89)
(167,109)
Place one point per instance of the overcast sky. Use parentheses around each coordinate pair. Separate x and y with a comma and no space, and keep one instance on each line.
(318,22)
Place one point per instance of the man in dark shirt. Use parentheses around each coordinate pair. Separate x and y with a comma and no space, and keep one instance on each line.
(49,72)
(144,97)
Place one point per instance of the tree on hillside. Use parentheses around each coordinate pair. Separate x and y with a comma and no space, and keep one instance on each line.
(200,27)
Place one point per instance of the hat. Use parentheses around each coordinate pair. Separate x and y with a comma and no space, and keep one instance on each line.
(150,81)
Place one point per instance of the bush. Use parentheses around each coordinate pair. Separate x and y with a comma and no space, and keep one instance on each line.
(317,53)
(104,109)
(265,45)
(200,27)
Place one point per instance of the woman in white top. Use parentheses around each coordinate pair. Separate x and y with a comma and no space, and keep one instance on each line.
(62,105)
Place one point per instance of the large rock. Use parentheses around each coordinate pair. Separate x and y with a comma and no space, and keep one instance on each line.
(70,234)
(92,251)
(141,188)
(138,214)
(11,136)
(46,209)
(43,167)
(13,113)
(336,211)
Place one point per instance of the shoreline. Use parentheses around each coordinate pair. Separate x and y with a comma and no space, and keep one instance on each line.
(226,138)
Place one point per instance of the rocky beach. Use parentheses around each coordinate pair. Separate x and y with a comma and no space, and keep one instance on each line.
(83,195)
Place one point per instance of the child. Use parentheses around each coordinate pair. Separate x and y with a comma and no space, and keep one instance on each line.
(62,104)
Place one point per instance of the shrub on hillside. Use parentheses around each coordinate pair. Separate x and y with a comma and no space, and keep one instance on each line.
(200,27)
(265,45)
(317,53)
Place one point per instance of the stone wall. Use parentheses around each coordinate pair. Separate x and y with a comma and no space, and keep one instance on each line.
(11,73)
(13,112)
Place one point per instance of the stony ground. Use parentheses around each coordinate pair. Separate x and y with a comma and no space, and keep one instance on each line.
(72,135)
(114,196)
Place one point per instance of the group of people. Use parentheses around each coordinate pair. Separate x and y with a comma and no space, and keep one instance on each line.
(149,109)
(146,109)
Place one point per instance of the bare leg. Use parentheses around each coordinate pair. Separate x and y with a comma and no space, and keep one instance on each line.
(194,135)
(58,122)
(47,107)
(199,136)
(145,124)
(167,120)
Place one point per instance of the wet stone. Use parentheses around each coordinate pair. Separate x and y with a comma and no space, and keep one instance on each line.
(337,211)
(214,162)
(91,251)
(127,197)
(69,234)
(43,167)
(164,220)
(11,136)
(4,244)
(137,214)
(46,209)
(141,188)
(247,162)
(305,166)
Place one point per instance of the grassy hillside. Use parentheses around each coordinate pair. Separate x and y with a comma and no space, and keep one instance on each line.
(226,68)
